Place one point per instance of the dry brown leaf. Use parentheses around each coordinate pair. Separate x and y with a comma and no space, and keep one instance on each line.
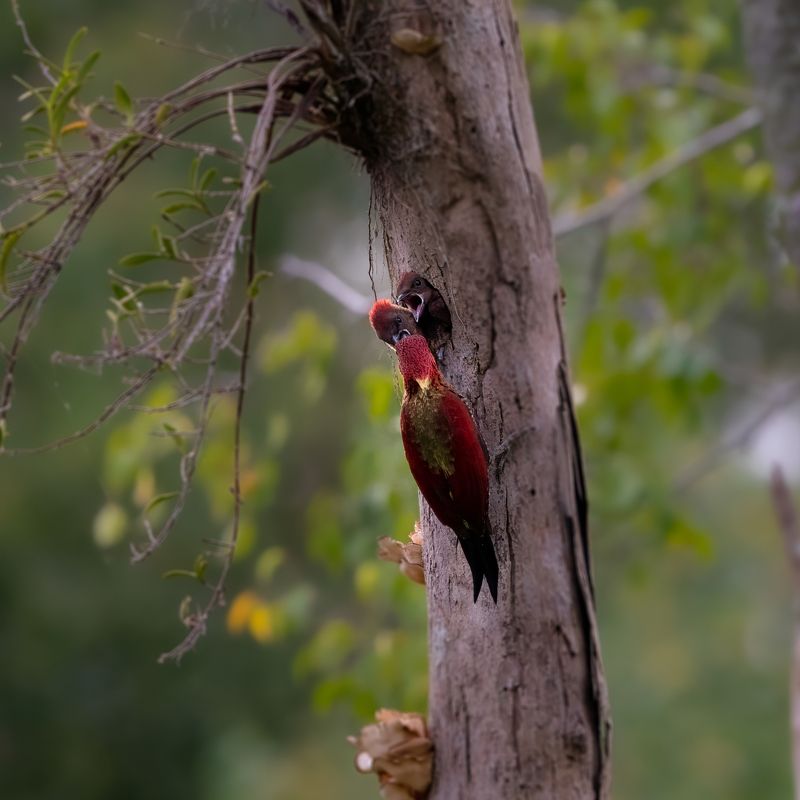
(407,554)
(413,572)
(398,749)
(390,549)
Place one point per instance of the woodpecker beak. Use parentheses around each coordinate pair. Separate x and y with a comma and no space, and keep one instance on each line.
(400,335)
(414,302)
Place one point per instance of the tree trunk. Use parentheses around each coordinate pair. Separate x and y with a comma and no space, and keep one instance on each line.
(772,35)
(518,705)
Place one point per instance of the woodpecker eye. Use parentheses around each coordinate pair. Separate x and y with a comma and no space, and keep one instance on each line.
(417,282)
(398,320)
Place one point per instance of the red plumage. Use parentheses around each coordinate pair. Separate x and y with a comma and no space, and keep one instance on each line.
(462,496)
(444,452)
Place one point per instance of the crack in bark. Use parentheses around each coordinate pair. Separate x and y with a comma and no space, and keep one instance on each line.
(467,752)
(578,537)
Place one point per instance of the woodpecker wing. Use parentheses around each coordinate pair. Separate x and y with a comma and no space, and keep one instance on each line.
(447,461)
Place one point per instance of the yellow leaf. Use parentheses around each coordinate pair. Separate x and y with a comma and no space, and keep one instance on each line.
(109,525)
(144,487)
(249,481)
(78,125)
(240,610)
(262,623)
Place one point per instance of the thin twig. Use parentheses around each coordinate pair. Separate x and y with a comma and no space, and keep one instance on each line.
(40,59)
(198,626)
(120,402)
(196,49)
(183,321)
(235,135)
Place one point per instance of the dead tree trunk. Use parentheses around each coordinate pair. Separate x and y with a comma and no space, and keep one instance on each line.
(518,704)
(772,35)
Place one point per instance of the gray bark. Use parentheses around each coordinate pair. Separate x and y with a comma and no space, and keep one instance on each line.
(772,36)
(518,705)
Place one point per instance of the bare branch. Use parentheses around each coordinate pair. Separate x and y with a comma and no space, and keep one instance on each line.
(330,283)
(40,59)
(738,438)
(712,85)
(788,521)
(710,140)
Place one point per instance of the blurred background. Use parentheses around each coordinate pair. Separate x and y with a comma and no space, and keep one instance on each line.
(683,326)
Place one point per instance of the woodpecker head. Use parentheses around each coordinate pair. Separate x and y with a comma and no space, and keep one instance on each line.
(414,292)
(392,323)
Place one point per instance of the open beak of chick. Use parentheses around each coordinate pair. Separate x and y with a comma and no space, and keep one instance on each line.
(414,302)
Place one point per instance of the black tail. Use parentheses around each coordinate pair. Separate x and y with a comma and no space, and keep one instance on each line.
(482,560)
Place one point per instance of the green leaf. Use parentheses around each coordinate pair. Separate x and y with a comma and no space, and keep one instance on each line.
(162,113)
(71,47)
(185,290)
(176,192)
(9,239)
(207,179)
(175,436)
(179,573)
(158,237)
(130,140)
(83,72)
(193,168)
(60,111)
(176,207)
(53,194)
(123,101)
(155,287)
(125,296)
(198,572)
(158,500)
(255,285)
(201,567)
(185,610)
(169,247)
(134,259)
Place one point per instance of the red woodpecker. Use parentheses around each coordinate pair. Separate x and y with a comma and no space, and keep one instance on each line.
(441,444)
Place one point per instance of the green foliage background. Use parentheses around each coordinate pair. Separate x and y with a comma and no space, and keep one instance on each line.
(681,316)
